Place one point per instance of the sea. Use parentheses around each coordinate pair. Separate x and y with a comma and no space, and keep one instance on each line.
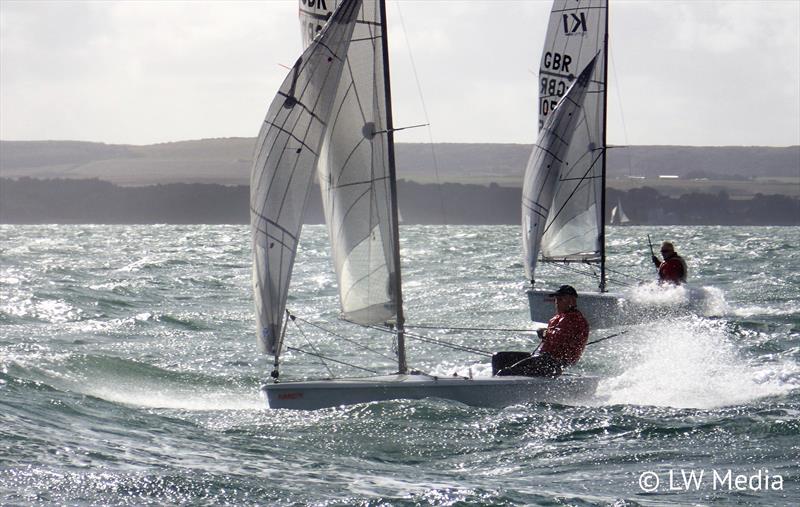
(130,375)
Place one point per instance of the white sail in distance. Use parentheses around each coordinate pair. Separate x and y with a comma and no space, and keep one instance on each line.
(575,36)
(618,216)
(284,164)
(547,163)
(354,172)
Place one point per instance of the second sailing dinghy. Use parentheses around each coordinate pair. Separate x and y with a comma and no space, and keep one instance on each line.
(564,191)
(332,116)
(618,216)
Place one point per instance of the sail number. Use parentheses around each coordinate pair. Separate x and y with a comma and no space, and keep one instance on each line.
(550,90)
(557,61)
(315,4)
(313,29)
(317,8)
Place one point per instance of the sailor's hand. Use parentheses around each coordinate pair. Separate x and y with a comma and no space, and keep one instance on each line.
(656,261)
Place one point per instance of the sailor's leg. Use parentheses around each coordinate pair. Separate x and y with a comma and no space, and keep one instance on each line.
(502,360)
(540,366)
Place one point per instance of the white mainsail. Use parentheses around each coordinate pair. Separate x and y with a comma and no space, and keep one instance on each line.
(285,159)
(547,164)
(354,170)
(575,36)
(618,216)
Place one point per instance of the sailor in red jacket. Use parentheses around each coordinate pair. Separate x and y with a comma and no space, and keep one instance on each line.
(562,342)
(673,268)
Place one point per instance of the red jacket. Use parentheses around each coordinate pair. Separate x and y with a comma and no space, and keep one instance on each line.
(566,336)
(672,270)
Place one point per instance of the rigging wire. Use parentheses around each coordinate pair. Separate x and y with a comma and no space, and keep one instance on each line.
(315,353)
(425,113)
(442,343)
(435,341)
(454,328)
(330,359)
(592,274)
(621,114)
(348,340)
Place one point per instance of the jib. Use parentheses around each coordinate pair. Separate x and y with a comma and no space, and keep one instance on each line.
(557,61)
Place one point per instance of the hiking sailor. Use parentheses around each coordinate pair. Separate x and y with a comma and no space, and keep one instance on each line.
(673,268)
(562,344)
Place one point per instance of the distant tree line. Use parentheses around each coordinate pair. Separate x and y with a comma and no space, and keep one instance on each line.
(34,201)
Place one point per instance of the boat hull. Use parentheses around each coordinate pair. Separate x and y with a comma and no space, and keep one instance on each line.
(480,392)
(606,309)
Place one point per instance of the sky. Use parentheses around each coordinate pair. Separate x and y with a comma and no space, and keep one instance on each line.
(696,72)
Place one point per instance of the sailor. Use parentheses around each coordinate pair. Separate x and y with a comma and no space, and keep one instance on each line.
(673,268)
(562,344)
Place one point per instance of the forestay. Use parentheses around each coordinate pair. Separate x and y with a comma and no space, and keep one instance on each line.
(547,163)
(354,170)
(285,158)
(575,36)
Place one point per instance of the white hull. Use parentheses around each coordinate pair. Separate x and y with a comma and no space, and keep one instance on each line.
(480,392)
(604,310)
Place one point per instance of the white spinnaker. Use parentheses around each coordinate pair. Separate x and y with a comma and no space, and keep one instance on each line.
(283,166)
(575,36)
(354,171)
(547,163)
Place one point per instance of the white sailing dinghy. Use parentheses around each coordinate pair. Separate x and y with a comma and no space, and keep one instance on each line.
(618,216)
(332,116)
(564,198)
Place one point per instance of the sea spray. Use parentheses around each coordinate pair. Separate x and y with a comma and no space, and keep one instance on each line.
(686,362)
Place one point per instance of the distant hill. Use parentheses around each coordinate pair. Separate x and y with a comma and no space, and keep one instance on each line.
(227,162)
(35,201)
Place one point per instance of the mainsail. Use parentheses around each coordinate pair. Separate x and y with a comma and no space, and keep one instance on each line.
(618,216)
(354,170)
(575,36)
(285,159)
(547,164)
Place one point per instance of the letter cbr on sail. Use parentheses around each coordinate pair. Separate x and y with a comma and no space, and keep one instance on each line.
(576,36)
(354,170)
(284,163)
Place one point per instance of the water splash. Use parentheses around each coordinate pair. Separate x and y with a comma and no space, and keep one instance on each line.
(689,363)
(131,383)
(707,301)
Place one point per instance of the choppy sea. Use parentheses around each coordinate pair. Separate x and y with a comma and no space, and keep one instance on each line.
(129,375)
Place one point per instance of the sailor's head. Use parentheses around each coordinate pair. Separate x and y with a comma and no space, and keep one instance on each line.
(566,297)
(667,248)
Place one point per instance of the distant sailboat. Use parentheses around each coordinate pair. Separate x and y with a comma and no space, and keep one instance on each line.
(618,216)
(332,116)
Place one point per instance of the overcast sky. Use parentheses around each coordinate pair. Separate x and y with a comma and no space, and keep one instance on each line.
(140,72)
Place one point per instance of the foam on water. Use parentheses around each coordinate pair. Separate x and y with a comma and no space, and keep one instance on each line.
(708,301)
(690,363)
(129,383)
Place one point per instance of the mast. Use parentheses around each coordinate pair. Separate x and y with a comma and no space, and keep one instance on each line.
(605,150)
(402,366)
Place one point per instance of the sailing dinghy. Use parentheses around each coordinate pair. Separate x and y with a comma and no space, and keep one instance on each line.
(332,117)
(618,216)
(564,194)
